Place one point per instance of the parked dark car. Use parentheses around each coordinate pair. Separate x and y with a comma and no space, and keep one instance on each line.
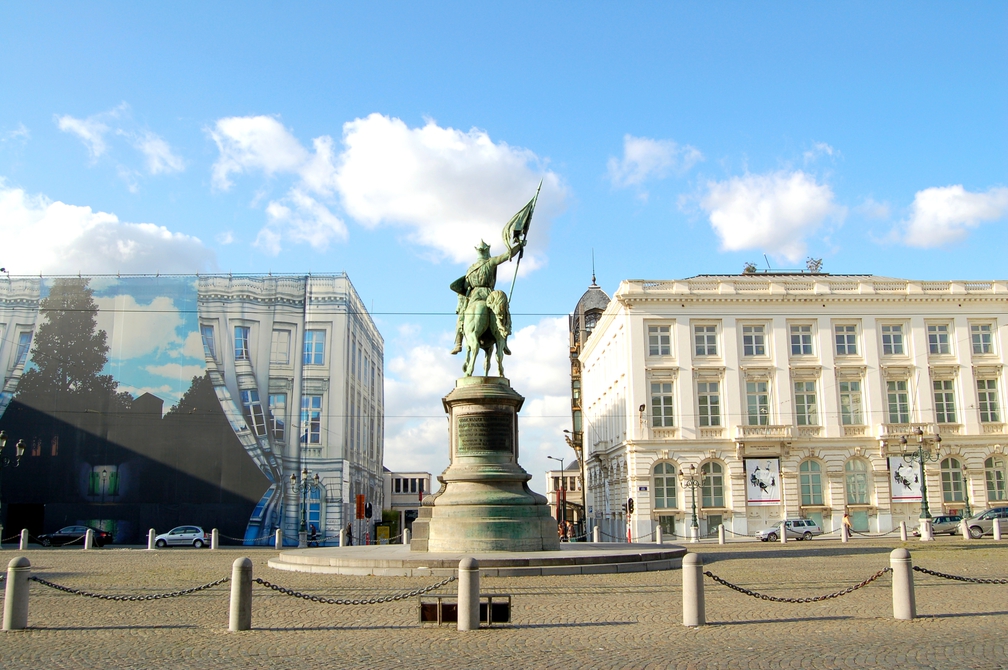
(69,534)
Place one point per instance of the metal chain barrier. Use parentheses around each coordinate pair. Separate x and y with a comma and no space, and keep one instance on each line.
(355,601)
(813,599)
(102,596)
(857,532)
(959,578)
(11,538)
(244,539)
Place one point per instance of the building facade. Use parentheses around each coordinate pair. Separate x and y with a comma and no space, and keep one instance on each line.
(403,493)
(564,490)
(153,401)
(787,395)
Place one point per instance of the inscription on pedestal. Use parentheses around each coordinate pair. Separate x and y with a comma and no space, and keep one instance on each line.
(484,432)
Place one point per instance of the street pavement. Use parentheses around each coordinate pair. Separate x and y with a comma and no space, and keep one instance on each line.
(595,621)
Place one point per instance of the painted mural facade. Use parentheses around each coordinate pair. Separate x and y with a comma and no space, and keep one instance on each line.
(152,401)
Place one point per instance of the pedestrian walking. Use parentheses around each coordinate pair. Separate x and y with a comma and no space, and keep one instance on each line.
(349,534)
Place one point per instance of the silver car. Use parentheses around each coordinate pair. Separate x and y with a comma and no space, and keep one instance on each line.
(797,529)
(182,536)
(983,523)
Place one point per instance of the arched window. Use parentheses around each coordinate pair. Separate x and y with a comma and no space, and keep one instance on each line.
(712,485)
(952,480)
(994,472)
(810,474)
(664,485)
(856,482)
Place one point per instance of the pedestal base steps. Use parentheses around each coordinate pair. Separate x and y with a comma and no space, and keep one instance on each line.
(576,558)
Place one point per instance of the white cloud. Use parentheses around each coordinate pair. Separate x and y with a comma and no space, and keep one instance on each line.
(645,158)
(248,143)
(158,154)
(45,236)
(176,371)
(225,238)
(20,133)
(160,157)
(819,149)
(774,212)
(263,144)
(873,209)
(944,214)
(193,346)
(448,188)
(416,433)
(135,329)
(90,131)
(170,395)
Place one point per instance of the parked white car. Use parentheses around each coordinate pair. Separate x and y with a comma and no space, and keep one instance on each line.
(798,529)
(182,536)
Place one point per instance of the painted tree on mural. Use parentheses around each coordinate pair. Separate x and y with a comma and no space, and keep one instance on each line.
(69,353)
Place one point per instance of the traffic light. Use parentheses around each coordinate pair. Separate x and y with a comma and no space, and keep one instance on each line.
(367,511)
(629,505)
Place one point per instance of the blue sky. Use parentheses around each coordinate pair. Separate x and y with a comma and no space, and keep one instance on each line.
(674,139)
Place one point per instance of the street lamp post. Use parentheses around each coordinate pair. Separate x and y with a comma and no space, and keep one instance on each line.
(965,478)
(6,462)
(692,482)
(921,456)
(561,497)
(305,485)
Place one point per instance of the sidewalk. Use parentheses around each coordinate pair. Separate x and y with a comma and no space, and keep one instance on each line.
(598,621)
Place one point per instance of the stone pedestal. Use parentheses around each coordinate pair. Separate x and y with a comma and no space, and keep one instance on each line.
(484,503)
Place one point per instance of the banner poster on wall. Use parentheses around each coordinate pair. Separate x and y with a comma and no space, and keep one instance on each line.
(904,479)
(763,481)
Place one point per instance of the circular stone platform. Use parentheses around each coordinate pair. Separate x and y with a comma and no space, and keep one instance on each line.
(575,558)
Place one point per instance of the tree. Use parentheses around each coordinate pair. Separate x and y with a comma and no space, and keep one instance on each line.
(69,353)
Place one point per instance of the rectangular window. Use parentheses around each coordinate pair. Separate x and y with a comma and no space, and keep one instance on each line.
(412,485)
(938,339)
(311,419)
(709,401)
(892,340)
(850,404)
(278,415)
(898,401)
(846,340)
(805,404)
(801,340)
(944,396)
(24,345)
(209,348)
(280,347)
(990,412)
(254,411)
(661,404)
(659,340)
(758,403)
(314,347)
(753,341)
(981,336)
(397,485)
(241,343)
(705,338)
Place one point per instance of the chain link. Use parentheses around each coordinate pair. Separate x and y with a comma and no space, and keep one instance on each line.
(102,596)
(813,599)
(355,601)
(959,578)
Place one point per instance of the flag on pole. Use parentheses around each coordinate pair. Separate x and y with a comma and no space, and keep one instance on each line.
(517,229)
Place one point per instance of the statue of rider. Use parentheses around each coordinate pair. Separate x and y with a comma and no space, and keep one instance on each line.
(478,284)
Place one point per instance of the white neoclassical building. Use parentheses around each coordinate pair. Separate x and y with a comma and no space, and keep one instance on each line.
(788,395)
(297,364)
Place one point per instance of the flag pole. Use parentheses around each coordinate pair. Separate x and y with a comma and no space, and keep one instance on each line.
(524,236)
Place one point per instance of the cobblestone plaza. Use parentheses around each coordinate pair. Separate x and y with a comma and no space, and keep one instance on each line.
(609,621)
